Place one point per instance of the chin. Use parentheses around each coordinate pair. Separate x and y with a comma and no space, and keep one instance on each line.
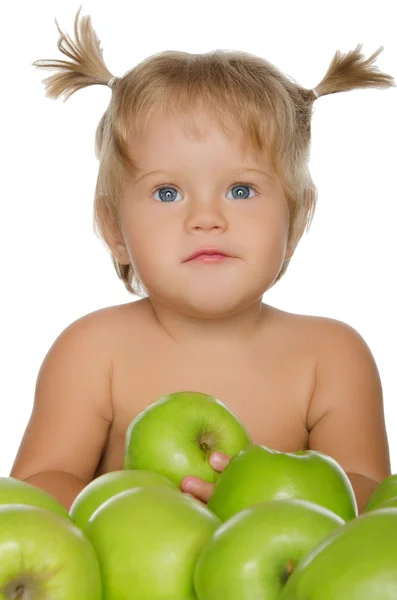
(218,304)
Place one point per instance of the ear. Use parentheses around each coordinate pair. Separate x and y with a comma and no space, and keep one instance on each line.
(113,237)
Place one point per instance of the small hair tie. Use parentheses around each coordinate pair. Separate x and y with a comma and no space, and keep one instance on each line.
(315,92)
(111,82)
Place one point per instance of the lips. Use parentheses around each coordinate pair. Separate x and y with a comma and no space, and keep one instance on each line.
(206,252)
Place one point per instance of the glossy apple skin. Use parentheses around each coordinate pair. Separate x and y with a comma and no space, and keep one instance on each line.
(355,562)
(258,474)
(176,434)
(44,555)
(251,555)
(15,491)
(105,486)
(385,492)
(390,503)
(148,540)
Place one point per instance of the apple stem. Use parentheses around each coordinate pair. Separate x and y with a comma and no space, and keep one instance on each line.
(287,572)
(290,567)
(18,593)
(205,447)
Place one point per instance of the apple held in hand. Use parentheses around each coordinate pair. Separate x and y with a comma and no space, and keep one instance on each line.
(386,492)
(356,562)
(105,486)
(45,556)
(176,434)
(15,491)
(252,554)
(148,540)
(258,474)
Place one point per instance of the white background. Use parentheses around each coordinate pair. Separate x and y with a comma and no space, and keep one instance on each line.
(54,269)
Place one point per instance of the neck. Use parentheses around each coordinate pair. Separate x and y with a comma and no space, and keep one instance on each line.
(186,329)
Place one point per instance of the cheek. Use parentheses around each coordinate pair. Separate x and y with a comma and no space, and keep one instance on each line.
(144,247)
(148,244)
(268,228)
(269,242)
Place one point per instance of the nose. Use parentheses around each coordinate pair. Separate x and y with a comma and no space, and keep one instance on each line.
(205,214)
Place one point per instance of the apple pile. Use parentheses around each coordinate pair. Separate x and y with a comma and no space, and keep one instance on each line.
(278,525)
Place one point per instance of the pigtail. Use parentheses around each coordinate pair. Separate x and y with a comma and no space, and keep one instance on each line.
(86,67)
(350,71)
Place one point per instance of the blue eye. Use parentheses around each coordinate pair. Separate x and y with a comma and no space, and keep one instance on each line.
(166,192)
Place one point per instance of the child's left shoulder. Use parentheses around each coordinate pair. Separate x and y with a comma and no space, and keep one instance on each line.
(345,365)
(345,416)
(324,336)
(338,345)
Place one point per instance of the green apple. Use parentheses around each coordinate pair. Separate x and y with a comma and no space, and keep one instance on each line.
(386,490)
(176,434)
(390,503)
(105,486)
(45,556)
(355,562)
(15,491)
(148,540)
(252,554)
(258,474)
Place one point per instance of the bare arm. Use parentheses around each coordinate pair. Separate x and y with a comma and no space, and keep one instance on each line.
(346,417)
(63,486)
(72,412)
(363,488)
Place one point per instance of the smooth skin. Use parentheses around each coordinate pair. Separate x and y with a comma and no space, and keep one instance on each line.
(200,489)
(295,381)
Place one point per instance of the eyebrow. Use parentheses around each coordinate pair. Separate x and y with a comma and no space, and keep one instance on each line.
(234,170)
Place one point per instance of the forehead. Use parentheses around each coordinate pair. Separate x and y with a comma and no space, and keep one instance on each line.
(165,135)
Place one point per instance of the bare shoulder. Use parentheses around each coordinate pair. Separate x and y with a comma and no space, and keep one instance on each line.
(345,370)
(108,322)
(335,339)
(319,330)
(329,340)
(73,408)
(100,334)
(334,348)
(344,361)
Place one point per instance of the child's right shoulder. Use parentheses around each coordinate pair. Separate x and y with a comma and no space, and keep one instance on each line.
(93,341)
(104,324)
(73,406)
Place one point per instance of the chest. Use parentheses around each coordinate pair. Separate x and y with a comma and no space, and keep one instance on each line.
(268,390)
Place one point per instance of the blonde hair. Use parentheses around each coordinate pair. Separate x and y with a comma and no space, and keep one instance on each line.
(272,110)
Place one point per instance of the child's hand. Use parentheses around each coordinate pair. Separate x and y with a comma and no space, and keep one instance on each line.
(200,489)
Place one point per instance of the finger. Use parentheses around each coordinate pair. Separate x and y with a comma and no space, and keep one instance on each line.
(197,487)
(219,461)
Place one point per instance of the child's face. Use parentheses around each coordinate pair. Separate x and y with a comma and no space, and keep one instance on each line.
(204,207)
